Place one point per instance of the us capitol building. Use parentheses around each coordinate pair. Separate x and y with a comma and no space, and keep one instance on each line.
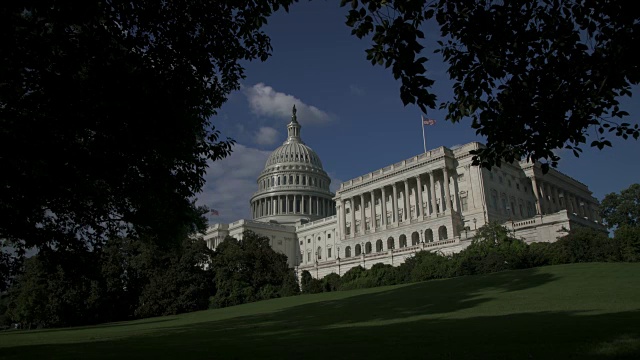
(433,201)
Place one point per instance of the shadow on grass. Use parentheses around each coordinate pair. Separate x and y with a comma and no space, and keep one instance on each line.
(101,326)
(419,320)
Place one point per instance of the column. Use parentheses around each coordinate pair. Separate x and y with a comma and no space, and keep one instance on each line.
(383,201)
(373,211)
(323,206)
(394,204)
(302,204)
(318,206)
(353,217)
(545,198)
(339,229)
(433,193)
(456,195)
(534,184)
(267,201)
(446,189)
(363,216)
(419,197)
(405,198)
(343,217)
(555,195)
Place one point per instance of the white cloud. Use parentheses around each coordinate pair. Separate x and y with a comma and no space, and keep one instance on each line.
(231,182)
(265,101)
(266,136)
(356,90)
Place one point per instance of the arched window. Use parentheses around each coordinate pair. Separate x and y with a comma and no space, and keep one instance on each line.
(319,252)
(378,245)
(347,252)
(415,238)
(358,250)
(442,233)
(367,247)
(390,243)
(428,235)
(403,241)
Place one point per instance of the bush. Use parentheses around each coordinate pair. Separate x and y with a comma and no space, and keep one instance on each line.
(427,266)
(583,245)
(331,282)
(628,241)
(310,285)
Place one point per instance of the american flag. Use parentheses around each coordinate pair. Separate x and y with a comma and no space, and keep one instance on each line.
(428,121)
(215,212)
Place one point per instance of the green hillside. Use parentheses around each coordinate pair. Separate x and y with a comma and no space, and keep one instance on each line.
(559,312)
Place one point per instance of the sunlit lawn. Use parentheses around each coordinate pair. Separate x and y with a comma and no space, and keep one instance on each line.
(572,311)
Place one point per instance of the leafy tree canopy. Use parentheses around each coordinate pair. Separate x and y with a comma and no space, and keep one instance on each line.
(250,270)
(620,210)
(533,76)
(105,112)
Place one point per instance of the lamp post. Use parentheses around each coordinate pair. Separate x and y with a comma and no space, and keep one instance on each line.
(474,224)
(364,261)
(316,264)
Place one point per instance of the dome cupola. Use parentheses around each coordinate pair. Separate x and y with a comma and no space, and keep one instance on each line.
(293,184)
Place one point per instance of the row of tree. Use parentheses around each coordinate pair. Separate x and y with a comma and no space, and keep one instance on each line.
(493,249)
(129,279)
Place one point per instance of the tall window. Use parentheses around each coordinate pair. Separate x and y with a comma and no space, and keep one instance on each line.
(328,253)
(463,203)
(319,251)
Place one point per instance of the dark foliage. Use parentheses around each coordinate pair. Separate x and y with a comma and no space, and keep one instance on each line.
(105,112)
(618,210)
(533,76)
(250,270)
(310,285)
(126,279)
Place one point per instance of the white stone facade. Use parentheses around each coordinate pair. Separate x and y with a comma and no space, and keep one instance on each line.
(433,201)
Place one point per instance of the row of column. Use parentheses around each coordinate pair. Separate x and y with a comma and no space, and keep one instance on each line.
(293,179)
(292,204)
(548,199)
(395,188)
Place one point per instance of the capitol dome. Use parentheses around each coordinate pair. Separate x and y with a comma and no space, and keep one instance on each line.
(293,184)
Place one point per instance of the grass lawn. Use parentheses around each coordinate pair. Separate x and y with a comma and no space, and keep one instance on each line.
(579,311)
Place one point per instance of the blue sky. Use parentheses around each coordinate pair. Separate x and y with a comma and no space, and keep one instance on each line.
(351,113)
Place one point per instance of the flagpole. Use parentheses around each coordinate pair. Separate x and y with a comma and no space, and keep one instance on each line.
(424,139)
